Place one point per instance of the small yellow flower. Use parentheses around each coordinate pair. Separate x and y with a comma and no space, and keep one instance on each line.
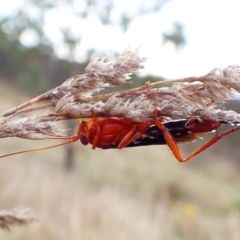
(190,209)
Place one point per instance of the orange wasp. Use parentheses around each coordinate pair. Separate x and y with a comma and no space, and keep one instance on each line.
(119,132)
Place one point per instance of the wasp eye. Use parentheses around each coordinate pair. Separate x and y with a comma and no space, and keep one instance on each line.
(84,138)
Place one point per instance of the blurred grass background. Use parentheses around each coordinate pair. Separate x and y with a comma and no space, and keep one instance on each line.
(140,193)
(78,193)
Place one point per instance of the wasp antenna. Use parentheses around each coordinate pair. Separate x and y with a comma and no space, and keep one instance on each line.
(37,149)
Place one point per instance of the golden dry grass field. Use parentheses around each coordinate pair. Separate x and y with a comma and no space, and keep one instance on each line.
(141,193)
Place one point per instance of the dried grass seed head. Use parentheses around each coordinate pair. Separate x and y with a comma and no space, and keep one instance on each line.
(193,97)
(32,127)
(99,75)
(16,217)
(185,98)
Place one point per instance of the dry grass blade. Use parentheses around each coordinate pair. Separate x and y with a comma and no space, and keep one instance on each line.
(17,216)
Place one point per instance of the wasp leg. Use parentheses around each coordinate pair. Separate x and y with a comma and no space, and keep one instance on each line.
(175,149)
(170,142)
(96,137)
(129,138)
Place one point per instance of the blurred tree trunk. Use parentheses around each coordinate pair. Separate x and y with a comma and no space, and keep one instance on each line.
(69,160)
